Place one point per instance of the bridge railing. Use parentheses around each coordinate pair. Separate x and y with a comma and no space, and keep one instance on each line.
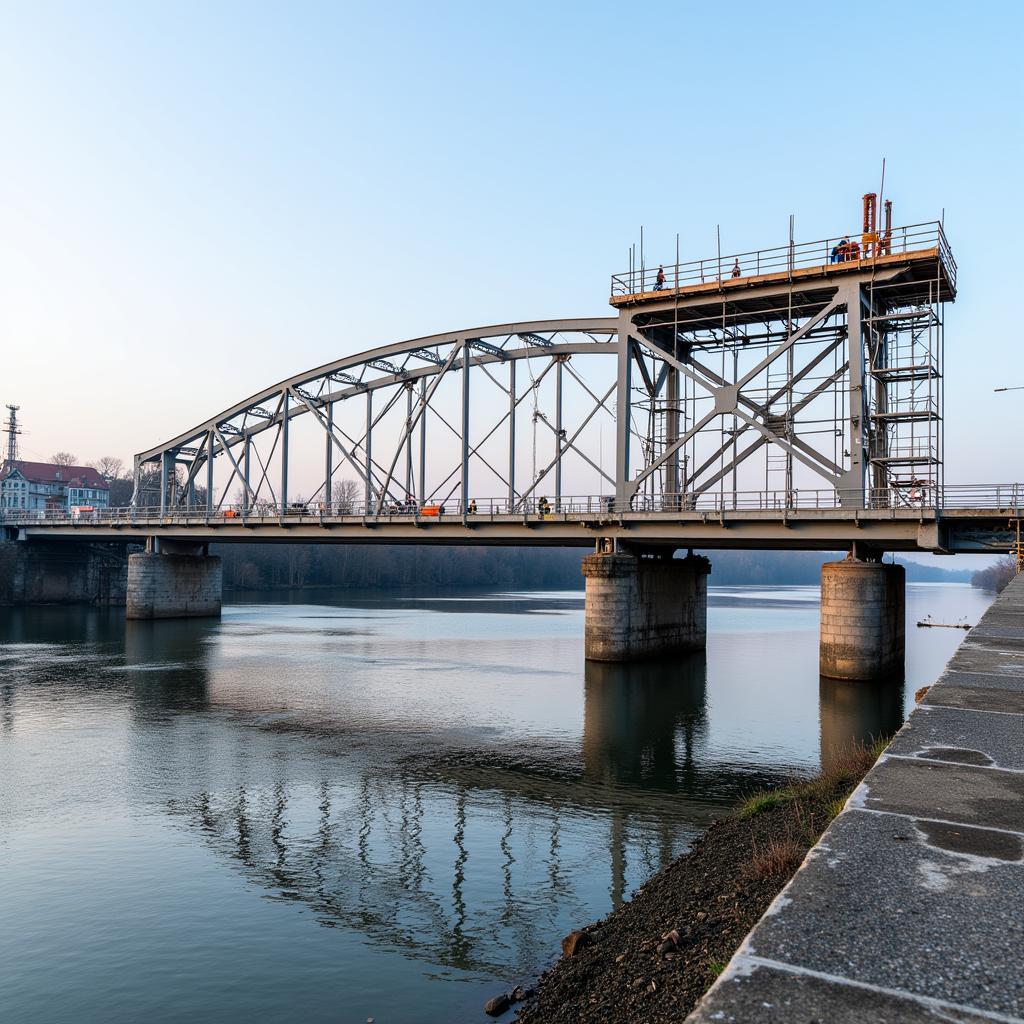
(787,258)
(1001,497)
(1005,499)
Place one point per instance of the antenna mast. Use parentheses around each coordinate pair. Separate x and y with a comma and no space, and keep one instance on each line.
(12,430)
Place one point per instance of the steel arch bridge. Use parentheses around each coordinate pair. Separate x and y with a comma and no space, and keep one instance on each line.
(378,415)
(802,382)
(792,402)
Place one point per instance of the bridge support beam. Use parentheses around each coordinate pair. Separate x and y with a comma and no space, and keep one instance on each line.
(173,580)
(641,606)
(862,620)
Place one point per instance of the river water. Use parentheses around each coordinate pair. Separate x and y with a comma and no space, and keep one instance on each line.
(337,807)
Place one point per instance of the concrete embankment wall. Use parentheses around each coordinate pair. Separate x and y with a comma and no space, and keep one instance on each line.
(62,572)
(911,906)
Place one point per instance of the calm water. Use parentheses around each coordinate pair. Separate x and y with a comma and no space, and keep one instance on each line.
(374,806)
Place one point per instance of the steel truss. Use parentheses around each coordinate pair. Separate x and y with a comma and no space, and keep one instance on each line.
(773,385)
(781,388)
(405,396)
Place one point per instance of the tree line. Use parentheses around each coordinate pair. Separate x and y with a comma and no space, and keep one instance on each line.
(368,566)
(997,575)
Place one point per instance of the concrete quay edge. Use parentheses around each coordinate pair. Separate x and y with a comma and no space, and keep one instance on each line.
(911,905)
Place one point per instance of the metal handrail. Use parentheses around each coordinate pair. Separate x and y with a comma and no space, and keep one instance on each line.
(1004,498)
(910,238)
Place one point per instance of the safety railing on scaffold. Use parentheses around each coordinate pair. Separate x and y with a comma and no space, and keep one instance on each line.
(1002,499)
(844,249)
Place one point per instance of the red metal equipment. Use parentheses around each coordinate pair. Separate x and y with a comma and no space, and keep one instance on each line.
(869,230)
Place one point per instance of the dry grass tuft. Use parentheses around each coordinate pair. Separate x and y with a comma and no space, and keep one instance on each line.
(777,859)
(845,768)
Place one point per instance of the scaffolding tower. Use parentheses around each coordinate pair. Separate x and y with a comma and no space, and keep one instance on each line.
(805,374)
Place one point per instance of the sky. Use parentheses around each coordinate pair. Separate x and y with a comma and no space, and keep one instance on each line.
(199,200)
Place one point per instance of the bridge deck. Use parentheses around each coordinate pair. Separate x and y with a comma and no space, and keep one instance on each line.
(809,529)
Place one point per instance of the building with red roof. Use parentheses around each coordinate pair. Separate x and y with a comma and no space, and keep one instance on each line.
(43,486)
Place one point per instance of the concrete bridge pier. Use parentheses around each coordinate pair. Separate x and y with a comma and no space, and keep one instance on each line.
(642,604)
(173,580)
(862,620)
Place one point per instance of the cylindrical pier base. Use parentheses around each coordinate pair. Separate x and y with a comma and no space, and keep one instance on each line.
(173,586)
(644,607)
(862,620)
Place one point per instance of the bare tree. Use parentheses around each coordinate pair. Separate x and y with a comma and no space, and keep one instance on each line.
(997,575)
(344,497)
(64,459)
(120,491)
(109,467)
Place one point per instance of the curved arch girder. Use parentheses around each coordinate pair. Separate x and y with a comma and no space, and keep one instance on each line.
(592,325)
(414,365)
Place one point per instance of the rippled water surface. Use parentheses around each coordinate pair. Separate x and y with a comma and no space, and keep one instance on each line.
(345,807)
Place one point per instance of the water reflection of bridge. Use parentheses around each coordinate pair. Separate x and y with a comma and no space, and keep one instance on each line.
(466,857)
(456,856)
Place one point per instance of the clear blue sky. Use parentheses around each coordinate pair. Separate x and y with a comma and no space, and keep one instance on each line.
(199,199)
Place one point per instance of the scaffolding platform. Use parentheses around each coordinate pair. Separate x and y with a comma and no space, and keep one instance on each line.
(920,252)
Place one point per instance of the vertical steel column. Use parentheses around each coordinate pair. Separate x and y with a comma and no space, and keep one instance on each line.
(408,437)
(329,456)
(368,449)
(558,434)
(246,445)
(511,433)
(163,481)
(672,434)
(284,455)
(735,426)
(423,440)
(878,352)
(852,481)
(211,440)
(465,424)
(622,415)
(940,393)
(136,482)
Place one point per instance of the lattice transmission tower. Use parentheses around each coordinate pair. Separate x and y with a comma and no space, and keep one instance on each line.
(12,430)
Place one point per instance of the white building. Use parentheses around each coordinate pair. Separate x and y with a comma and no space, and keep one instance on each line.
(44,486)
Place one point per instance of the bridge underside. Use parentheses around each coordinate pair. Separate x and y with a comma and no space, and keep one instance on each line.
(878,530)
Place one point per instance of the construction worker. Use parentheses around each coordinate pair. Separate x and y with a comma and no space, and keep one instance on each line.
(543,507)
(736,268)
(471,510)
(659,281)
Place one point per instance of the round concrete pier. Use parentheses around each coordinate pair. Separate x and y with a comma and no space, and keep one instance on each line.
(862,620)
(644,607)
(173,586)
